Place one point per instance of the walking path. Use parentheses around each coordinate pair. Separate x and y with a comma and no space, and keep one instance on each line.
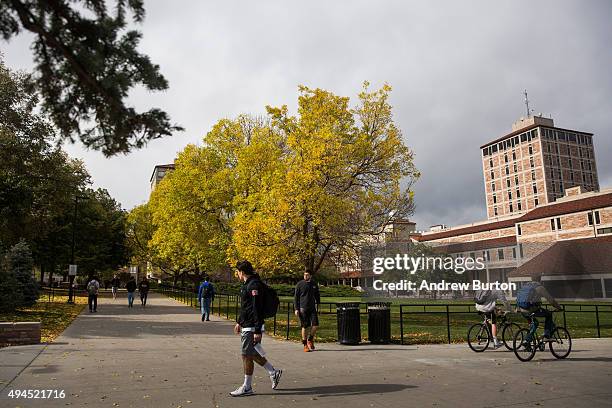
(164,356)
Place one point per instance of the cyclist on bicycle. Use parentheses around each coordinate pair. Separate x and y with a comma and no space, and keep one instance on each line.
(529,301)
(485,303)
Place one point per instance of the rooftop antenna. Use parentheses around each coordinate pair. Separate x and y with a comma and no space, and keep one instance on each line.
(527,103)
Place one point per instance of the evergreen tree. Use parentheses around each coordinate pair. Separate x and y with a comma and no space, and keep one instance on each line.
(20,264)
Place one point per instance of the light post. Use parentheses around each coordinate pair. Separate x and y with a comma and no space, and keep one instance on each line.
(72,270)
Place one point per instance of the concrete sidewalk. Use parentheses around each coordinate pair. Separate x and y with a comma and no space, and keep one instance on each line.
(164,356)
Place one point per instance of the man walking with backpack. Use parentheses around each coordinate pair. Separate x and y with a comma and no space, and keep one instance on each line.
(93,287)
(206,295)
(306,300)
(529,300)
(485,303)
(250,324)
(143,289)
(131,288)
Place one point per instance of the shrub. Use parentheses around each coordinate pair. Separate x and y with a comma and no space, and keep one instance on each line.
(17,285)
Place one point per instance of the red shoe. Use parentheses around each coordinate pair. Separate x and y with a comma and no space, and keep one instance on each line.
(306,348)
(310,345)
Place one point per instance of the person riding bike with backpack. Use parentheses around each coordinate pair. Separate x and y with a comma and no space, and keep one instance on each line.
(486,303)
(529,301)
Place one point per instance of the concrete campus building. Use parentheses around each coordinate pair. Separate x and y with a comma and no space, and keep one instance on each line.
(546,216)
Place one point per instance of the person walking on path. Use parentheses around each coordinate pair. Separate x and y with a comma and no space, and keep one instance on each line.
(249,325)
(131,288)
(306,300)
(143,288)
(93,287)
(206,295)
(115,283)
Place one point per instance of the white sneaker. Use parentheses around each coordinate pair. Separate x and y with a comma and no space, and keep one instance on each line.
(497,345)
(275,378)
(241,391)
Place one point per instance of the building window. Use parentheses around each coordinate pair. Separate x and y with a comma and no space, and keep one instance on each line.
(513,252)
(558,223)
(604,230)
(487,255)
(493,186)
(506,158)
(531,163)
(495,210)
(492,174)
(515,168)
(509,195)
(516,182)
(597,219)
(522,255)
(536,201)
(518,206)
(494,199)
(500,254)
(530,149)
(552,224)
(533,175)
(510,206)
(513,155)
(507,170)
(490,162)
(519,231)
(508,182)
(535,189)
(518,193)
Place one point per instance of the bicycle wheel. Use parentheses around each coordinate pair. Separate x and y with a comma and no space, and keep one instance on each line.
(523,350)
(508,334)
(561,343)
(479,337)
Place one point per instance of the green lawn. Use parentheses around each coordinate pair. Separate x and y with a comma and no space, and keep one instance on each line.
(54,313)
(424,320)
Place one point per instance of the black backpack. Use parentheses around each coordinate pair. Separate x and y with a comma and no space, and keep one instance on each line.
(270,301)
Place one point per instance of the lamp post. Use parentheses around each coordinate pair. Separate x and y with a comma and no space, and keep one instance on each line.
(72,270)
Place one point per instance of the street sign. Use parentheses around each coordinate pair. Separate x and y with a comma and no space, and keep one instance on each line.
(72,270)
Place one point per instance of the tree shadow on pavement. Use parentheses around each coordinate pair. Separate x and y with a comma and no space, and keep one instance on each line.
(570,359)
(342,390)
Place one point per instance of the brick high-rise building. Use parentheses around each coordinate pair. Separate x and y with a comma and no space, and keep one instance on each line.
(534,165)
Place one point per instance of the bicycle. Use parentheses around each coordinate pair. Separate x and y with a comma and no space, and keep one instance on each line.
(560,342)
(479,334)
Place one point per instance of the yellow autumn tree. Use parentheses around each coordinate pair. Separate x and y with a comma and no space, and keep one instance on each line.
(333,175)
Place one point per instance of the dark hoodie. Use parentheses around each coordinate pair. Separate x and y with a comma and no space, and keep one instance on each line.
(251,304)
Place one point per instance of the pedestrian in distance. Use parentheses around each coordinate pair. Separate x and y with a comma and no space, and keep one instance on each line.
(143,289)
(206,295)
(131,288)
(115,283)
(93,287)
(250,326)
(306,300)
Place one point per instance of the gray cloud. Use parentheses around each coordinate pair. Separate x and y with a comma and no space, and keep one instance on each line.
(457,68)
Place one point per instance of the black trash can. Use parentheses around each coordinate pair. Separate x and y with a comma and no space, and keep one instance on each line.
(349,323)
(379,322)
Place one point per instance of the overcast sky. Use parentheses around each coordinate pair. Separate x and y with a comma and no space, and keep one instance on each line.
(458,70)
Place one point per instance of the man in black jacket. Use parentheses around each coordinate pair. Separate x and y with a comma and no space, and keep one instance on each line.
(307,298)
(250,325)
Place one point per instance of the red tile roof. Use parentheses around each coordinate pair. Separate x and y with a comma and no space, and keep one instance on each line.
(551,210)
(477,245)
(575,257)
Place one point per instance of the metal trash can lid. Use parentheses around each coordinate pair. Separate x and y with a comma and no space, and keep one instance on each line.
(379,305)
(347,306)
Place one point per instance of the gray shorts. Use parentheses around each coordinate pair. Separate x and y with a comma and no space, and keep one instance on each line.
(248,346)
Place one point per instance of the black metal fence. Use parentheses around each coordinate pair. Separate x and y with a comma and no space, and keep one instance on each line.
(411,322)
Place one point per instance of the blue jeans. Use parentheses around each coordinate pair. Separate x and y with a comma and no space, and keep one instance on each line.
(130,298)
(205,307)
(548,322)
